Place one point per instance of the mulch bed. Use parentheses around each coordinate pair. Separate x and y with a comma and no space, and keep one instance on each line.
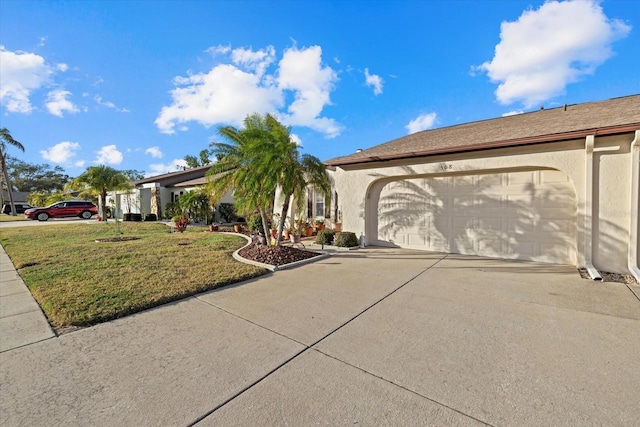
(275,255)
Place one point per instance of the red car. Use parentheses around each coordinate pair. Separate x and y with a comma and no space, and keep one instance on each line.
(67,208)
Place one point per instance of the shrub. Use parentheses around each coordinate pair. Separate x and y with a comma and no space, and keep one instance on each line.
(150,217)
(228,212)
(170,210)
(325,237)
(127,217)
(255,223)
(136,217)
(346,239)
(181,223)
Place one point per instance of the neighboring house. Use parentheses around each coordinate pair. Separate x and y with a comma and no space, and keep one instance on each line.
(151,195)
(18,196)
(557,185)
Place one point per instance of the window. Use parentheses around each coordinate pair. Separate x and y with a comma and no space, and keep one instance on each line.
(317,205)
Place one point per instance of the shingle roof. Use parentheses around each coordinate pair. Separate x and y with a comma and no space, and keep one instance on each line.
(173,178)
(616,115)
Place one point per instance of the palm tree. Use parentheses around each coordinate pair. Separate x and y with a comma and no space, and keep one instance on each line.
(296,171)
(244,167)
(100,180)
(6,138)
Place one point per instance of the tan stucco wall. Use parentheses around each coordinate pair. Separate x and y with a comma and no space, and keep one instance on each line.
(359,186)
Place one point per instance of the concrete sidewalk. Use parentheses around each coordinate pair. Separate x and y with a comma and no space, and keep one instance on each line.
(368,337)
(22,322)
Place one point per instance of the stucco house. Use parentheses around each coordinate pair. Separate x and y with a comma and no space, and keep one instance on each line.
(151,195)
(557,185)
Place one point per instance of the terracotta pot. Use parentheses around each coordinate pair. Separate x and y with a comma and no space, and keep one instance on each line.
(337,227)
(213,227)
(308,231)
(319,227)
(237,228)
(274,232)
(286,234)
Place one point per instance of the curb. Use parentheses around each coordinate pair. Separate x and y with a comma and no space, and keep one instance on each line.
(237,257)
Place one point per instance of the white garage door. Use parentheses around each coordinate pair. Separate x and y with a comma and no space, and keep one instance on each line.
(529,215)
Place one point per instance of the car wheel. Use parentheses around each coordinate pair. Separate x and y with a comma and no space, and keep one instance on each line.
(43,216)
(85,215)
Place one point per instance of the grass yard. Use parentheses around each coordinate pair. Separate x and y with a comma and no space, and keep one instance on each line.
(80,282)
(9,218)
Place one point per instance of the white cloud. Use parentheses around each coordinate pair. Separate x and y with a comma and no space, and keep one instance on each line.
(302,72)
(41,41)
(20,74)
(225,94)
(512,113)
(154,151)
(61,153)
(422,122)
(79,163)
(109,104)
(57,102)
(109,155)
(548,48)
(257,61)
(374,81)
(229,92)
(295,138)
(161,168)
(219,50)
(62,67)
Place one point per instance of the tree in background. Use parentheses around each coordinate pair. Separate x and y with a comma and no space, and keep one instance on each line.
(7,139)
(196,162)
(99,180)
(31,177)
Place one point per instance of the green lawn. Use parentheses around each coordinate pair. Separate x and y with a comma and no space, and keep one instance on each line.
(9,218)
(79,282)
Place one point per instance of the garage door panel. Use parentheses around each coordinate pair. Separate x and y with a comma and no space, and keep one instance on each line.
(525,215)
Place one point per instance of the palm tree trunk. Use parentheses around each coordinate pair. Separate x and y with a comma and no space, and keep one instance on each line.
(7,181)
(265,221)
(103,205)
(283,217)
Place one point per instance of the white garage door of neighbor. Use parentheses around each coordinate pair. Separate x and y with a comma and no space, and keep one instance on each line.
(529,215)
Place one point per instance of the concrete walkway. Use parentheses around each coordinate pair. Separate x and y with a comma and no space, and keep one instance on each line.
(368,337)
(22,322)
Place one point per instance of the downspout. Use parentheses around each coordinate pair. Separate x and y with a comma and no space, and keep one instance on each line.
(588,210)
(632,259)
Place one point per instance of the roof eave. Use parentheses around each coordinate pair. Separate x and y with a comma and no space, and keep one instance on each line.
(610,130)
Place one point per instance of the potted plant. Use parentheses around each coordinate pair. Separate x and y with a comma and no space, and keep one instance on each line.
(318,224)
(237,227)
(294,236)
(308,229)
(213,227)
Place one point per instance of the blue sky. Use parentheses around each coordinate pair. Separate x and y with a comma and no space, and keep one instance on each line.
(139,85)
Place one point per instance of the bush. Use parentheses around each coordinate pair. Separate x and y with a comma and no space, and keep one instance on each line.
(181,223)
(228,212)
(255,224)
(150,217)
(136,217)
(127,217)
(346,239)
(170,210)
(325,237)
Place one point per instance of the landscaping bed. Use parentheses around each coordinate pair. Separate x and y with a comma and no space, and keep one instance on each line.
(275,255)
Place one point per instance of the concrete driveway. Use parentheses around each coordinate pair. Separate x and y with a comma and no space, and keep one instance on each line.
(369,337)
